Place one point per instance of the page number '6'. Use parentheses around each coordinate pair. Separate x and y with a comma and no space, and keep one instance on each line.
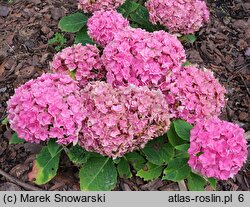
(241,198)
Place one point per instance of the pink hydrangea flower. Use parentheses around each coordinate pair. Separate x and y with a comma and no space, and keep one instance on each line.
(193,94)
(141,58)
(217,148)
(103,25)
(90,6)
(183,16)
(47,107)
(83,61)
(120,120)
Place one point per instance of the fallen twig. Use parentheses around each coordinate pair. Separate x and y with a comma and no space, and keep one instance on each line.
(18,182)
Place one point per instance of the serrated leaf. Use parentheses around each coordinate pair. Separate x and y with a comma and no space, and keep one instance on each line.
(5,121)
(83,37)
(136,160)
(181,154)
(177,170)
(98,174)
(158,152)
(15,139)
(73,22)
(123,169)
(150,172)
(46,165)
(173,138)
(213,182)
(183,147)
(189,38)
(53,147)
(182,129)
(196,182)
(78,155)
(128,7)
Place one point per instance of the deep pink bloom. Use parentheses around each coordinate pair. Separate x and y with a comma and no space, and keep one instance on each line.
(90,6)
(183,16)
(120,120)
(217,148)
(141,58)
(103,25)
(83,61)
(193,94)
(47,107)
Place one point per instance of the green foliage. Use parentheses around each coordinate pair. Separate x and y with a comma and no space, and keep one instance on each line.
(150,171)
(137,15)
(5,121)
(158,151)
(15,139)
(177,170)
(183,147)
(187,63)
(182,129)
(73,23)
(173,138)
(83,37)
(213,182)
(123,169)
(196,182)
(136,160)
(98,174)
(59,40)
(190,38)
(46,164)
(78,155)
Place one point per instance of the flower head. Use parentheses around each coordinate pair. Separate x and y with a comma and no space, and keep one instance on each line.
(90,6)
(103,25)
(141,58)
(120,120)
(184,16)
(218,148)
(47,107)
(193,94)
(82,61)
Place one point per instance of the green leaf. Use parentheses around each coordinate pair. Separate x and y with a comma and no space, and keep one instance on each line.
(98,174)
(213,182)
(183,147)
(181,154)
(182,129)
(128,7)
(136,160)
(73,23)
(5,121)
(150,172)
(15,139)
(177,170)
(53,147)
(78,155)
(187,63)
(46,164)
(123,169)
(173,138)
(117,160)
(158,152)
(188,38)
(83,37)
(196,182)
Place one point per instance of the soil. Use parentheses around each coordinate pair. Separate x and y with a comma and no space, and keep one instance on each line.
(222,46)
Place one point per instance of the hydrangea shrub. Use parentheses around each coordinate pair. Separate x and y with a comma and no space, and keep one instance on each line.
(121,99)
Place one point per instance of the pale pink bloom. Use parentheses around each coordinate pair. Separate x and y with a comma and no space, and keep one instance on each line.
(90,6)
(54,109)
(114,125)
(83,61)
(103,25)
(182,16)
(217,148)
